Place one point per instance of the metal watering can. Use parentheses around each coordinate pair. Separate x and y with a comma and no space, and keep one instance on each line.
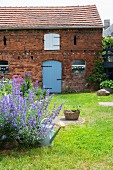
(48,140)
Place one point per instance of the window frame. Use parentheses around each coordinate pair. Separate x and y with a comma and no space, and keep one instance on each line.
(4,67)
(78,68)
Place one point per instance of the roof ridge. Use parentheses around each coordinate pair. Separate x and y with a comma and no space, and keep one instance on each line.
(46,6)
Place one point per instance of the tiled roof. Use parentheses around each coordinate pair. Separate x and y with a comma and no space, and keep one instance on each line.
(44,17)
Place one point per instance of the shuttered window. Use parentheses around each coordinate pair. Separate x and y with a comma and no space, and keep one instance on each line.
(51,42)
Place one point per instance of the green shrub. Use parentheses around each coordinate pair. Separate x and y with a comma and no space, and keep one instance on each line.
(26,84)
(107,42)
(106,84)
(40,93)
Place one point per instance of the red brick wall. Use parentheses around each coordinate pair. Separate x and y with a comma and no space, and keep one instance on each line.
(88,41)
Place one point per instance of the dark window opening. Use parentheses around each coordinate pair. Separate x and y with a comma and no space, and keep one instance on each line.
(5,40)
(18,57)
(74,39)
(32,57)
(109,72)
(4,67)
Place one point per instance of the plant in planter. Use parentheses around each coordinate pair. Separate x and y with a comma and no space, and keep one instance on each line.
(72,114)
(107,85)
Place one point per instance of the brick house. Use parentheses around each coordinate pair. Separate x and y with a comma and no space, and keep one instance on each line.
(56,45)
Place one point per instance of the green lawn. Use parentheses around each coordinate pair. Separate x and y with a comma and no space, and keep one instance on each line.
(85,146)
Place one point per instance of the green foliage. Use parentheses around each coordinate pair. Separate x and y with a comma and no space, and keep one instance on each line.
(106,84)
(97,73)
(26,84)
(5,86)
(74,107)
(40,92)
(107,43)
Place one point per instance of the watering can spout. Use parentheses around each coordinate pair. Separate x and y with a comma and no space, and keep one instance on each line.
(61,125)
(47,141)
(51,140)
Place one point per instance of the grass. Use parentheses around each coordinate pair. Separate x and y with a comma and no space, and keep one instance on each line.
(85,146)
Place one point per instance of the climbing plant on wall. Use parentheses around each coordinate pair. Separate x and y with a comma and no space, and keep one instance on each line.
(97,73)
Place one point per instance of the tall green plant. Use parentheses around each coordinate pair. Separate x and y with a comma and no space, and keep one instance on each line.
(97,73)
(26,84)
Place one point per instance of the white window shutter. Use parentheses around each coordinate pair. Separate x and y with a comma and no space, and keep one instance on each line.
(56,41)
(48,41)
(51,42)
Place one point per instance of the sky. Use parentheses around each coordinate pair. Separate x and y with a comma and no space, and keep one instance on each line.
(104,7)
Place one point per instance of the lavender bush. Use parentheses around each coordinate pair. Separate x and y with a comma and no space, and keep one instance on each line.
(21,117)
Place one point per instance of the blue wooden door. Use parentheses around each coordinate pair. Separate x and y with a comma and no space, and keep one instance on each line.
(52,76)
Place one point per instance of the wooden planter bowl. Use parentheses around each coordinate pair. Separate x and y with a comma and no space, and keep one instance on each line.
(71,114)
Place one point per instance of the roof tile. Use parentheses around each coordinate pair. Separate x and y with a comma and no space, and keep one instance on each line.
(37,17)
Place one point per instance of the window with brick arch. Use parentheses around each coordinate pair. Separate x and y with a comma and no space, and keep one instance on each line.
(4,67)
(78,66)
(51,41)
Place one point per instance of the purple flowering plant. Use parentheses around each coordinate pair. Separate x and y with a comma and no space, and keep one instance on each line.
(21,117)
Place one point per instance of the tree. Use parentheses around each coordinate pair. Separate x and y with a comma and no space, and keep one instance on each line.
(107,42)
